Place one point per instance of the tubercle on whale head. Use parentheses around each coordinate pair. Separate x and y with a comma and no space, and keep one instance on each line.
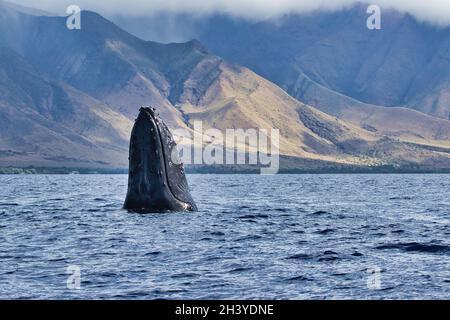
(153,184)
(147,112)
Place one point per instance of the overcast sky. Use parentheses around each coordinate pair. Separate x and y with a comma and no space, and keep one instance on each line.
(435,11)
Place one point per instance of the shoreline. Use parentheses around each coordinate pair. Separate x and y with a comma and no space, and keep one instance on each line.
(219,170)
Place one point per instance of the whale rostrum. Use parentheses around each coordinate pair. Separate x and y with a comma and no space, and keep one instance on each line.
(156,182)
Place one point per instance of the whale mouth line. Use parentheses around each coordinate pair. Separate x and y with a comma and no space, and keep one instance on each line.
(163,152)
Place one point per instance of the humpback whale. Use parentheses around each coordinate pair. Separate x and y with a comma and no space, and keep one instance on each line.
(156,182)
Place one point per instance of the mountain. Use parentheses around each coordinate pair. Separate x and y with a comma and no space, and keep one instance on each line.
(405,64)
(239,98)
(68,98)
(379,80)
(44,122)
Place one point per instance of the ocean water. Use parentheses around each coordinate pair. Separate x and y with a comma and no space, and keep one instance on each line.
(260,237)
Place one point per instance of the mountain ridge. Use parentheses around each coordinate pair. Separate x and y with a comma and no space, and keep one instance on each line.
(89,87)
(336,50)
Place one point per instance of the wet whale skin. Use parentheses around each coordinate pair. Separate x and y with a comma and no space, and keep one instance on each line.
(156,182)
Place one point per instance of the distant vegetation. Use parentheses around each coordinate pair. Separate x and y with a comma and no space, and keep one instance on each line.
(236,170)
(17,171)
(32,170)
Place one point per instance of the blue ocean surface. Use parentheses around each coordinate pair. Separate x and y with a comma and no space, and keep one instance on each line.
(259,237)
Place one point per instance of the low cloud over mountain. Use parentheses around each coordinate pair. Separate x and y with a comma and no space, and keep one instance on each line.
(434,11)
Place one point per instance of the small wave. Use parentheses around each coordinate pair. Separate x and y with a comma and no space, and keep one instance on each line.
(401,198)
(254,216)
(59,210)
(14,271)
(299,256)
(357,254)
(169,291)
(213,258)
(329,256)
(56,259)
(12,204)
(216,233)
(153,253)
(240,269)
(298,278)
(388,288)
(7,257)
(325,231)
(183,275)
(415,247)
(319,213)
(249,237)
(339,274)
(108,274)
(378,234)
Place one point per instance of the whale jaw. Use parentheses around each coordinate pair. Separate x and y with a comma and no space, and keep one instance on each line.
(155,182)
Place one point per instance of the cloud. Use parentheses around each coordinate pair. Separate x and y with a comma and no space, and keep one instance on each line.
(434,11)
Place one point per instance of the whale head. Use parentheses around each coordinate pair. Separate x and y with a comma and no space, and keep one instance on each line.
(156,179)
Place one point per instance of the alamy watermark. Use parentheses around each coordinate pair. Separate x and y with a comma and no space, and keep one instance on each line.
(374,278)
(73,21)
(230,147)
(74,279)
(374,20)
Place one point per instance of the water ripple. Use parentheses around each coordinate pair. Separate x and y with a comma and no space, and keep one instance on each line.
(277,237)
